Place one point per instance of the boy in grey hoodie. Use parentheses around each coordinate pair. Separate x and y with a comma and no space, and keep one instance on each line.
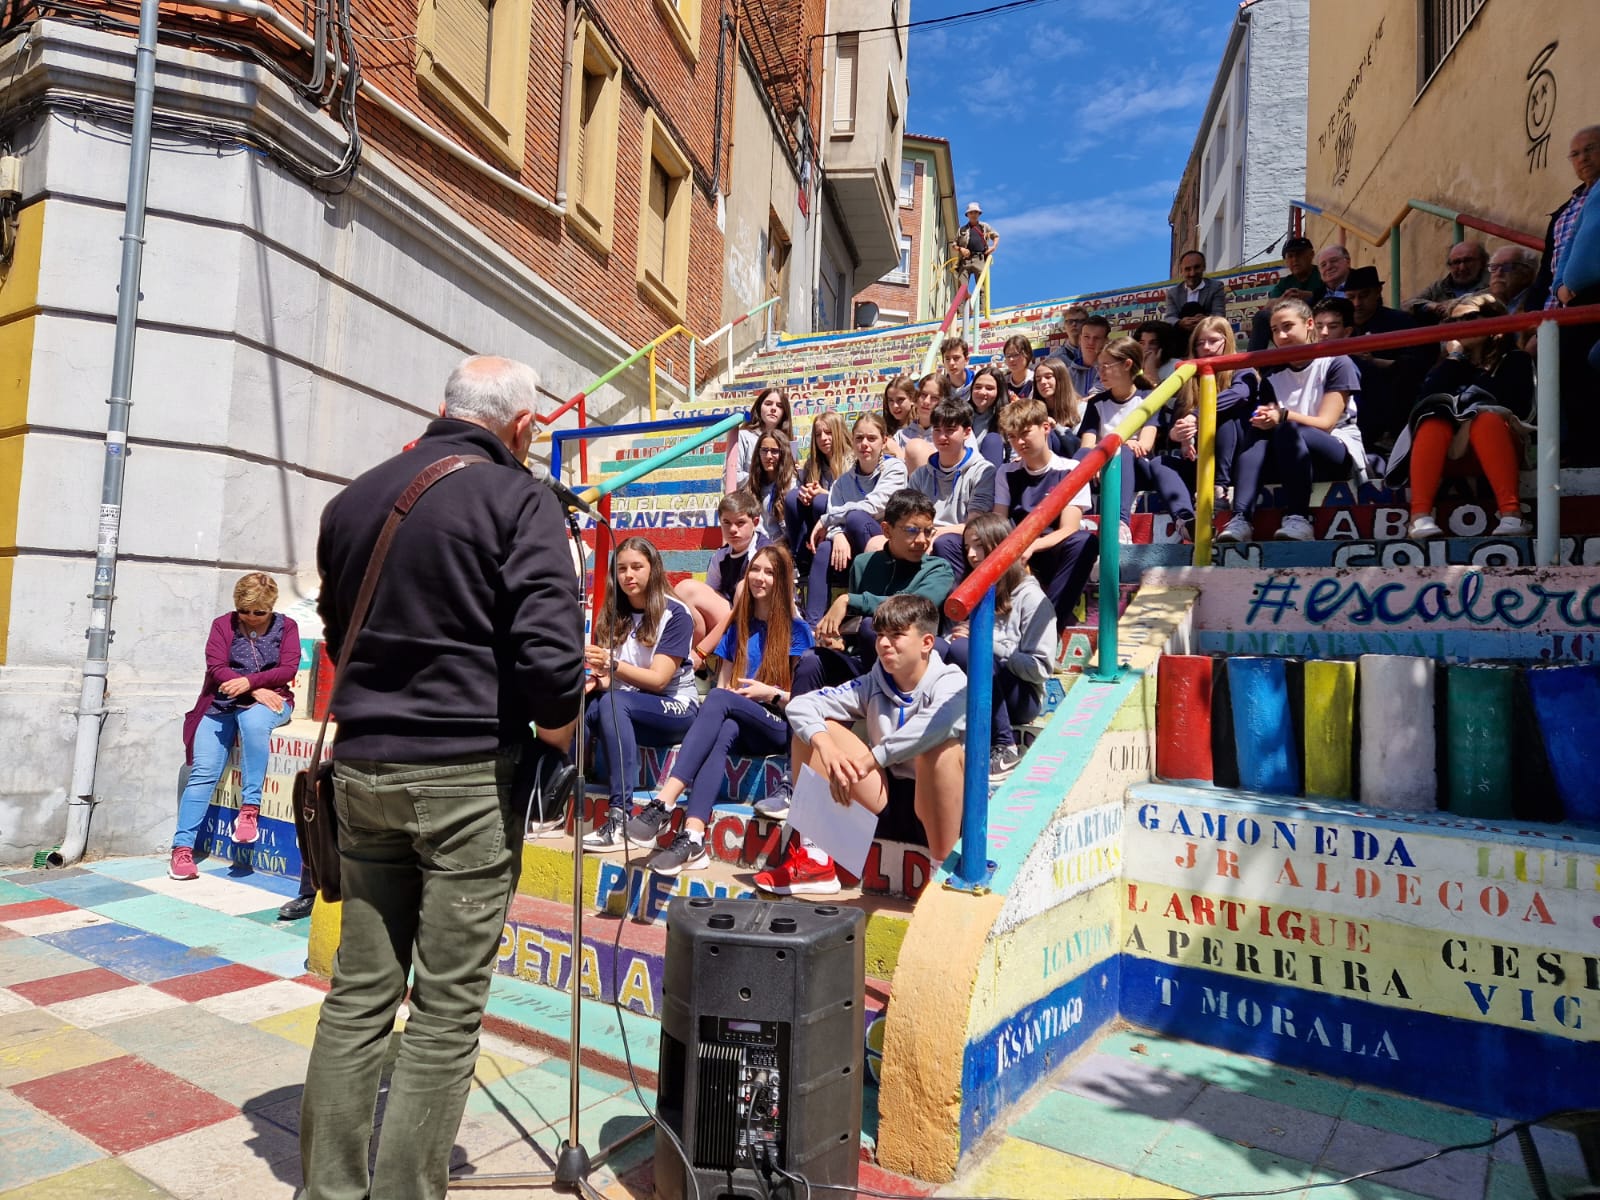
(958,480)
(914,708)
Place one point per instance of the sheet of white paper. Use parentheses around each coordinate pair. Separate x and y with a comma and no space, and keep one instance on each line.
(844,832)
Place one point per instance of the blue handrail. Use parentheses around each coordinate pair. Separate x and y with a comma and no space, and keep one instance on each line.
(561,436)
(973,602)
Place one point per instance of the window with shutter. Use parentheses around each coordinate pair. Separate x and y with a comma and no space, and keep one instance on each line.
(465,43)
(666,193)
(472,56)
(655,233)
(846,50)
(592,136)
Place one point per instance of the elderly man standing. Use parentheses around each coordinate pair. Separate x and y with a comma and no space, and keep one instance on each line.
(1584,155)
(1468,274)
(1511,272)
(474,632)
(975,241)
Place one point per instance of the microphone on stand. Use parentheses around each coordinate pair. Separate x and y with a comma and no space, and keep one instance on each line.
(568,497)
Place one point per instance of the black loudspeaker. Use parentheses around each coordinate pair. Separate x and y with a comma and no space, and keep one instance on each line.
(761,1047)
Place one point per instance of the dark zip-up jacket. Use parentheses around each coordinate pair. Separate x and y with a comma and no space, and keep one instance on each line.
(475,630)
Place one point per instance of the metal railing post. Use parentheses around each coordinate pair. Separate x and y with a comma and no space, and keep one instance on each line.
(652,383)
(766,340)
(1205,467)
(583,446)
(730,348)
(1394,265)
(1457,233)
(972,864)
(694,374)
(1547,452)
(602,555)
(1111,517)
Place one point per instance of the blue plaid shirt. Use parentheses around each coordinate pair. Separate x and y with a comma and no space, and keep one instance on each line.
(1565,224)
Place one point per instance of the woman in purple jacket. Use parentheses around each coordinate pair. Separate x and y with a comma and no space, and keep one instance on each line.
(252,655)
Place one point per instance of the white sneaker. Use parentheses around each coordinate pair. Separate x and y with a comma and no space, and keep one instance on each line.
(1295,529)
(1124,533)
(1238,529)
(1512,525)
(1424,526)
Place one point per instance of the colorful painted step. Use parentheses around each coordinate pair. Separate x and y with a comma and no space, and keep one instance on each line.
(623,965)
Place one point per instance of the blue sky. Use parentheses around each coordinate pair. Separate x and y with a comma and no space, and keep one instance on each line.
(1070,122)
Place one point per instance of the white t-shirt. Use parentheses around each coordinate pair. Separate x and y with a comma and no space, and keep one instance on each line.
(1302,390)
(675,638)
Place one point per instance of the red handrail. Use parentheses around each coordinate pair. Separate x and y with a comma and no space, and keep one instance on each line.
(1421,336)
(987,573)
(1503,232)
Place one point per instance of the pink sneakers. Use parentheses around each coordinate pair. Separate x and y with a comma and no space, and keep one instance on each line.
(799,875)
(182,864)
(244,825)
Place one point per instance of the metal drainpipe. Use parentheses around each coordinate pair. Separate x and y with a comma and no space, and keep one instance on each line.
(563,140)
(91,700)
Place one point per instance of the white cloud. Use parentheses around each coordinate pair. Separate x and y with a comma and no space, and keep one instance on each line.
(1117,218)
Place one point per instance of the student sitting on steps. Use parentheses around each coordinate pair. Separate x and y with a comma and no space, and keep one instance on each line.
(738,515)
(958,480)
(914,707)
(1304,430)
(844,634)
(988,396)
(1025,643)
(807,502)
(1126,385)
(899,405)
(856,504)
(743,714)
(1061,559)
(771,480)
(641,687)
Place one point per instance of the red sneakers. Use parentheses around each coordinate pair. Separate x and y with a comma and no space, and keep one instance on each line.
(182,864)
(799,875)
(244,825)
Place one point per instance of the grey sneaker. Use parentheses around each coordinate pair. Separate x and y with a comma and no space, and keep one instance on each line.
(684,854)
(775,805)
(611,835)
(644,831)
(1001,761)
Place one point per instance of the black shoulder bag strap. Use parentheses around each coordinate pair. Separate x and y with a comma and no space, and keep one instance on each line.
(429,476)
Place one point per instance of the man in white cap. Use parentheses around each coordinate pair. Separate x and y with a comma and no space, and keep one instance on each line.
(975,241)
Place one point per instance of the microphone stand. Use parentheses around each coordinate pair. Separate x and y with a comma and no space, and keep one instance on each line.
(573,1162)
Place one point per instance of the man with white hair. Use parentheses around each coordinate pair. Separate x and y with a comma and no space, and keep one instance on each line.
(473,634)
(1511,272)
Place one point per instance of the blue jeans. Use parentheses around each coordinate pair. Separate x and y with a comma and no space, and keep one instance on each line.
(727,724)
(619,721)
(254,724)
(858,527)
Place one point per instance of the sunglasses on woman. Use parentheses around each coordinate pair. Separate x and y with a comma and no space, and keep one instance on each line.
(254,612)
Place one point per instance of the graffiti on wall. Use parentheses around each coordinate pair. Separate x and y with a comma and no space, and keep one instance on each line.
(1340,128)
(1539,109)
(1447,613)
